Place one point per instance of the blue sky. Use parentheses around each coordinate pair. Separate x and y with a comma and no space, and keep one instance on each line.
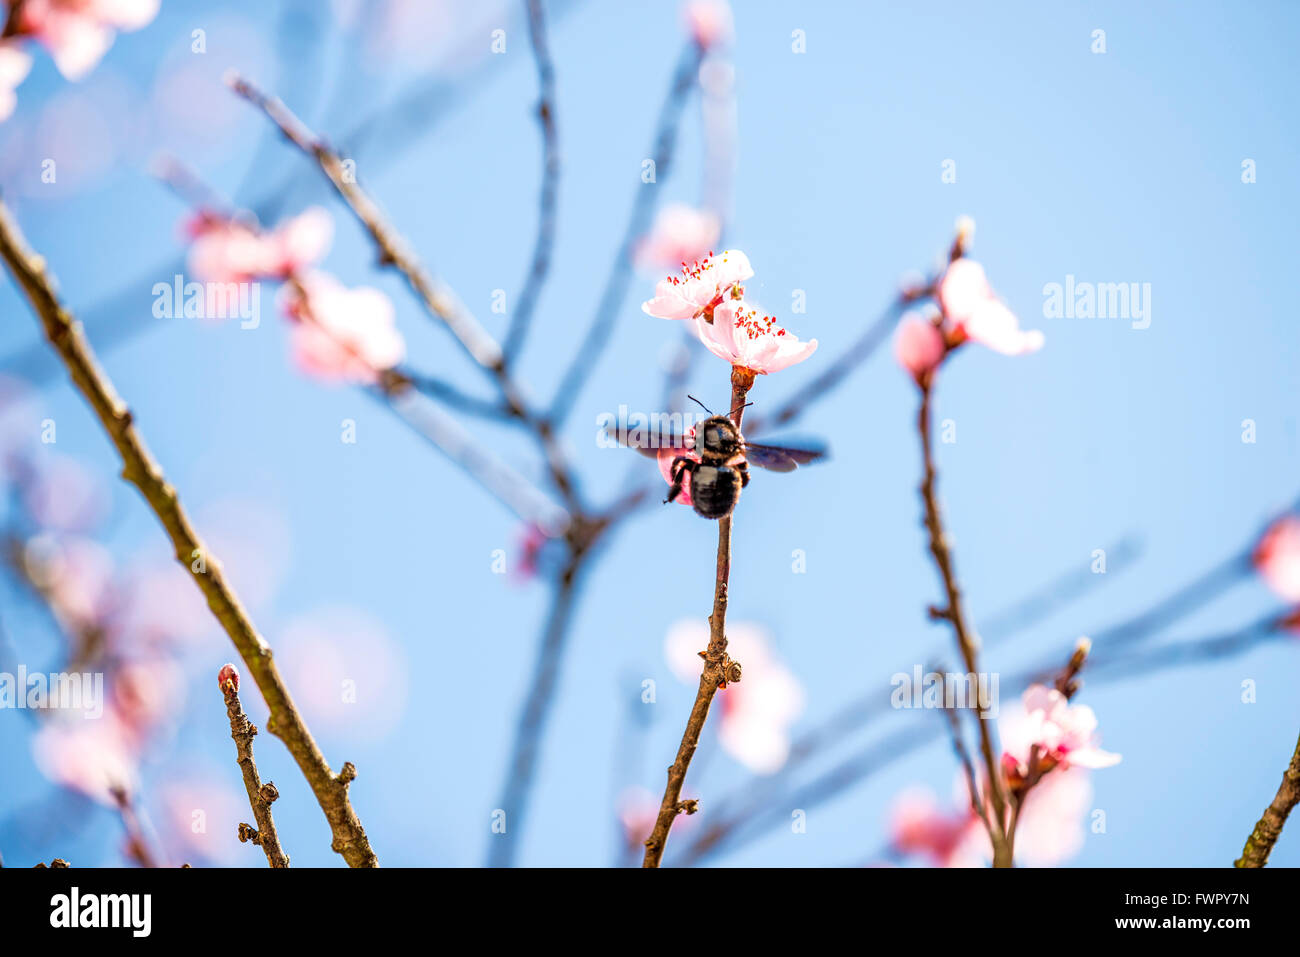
(1115,167)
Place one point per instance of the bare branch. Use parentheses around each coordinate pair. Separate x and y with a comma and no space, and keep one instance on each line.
(260,796)
(143,471)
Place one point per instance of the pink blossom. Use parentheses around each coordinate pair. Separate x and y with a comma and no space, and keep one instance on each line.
(92,757)
(919,345)
(1277,557)
(741,336)
(78,576)
(1051,826)
(79,32)
(145,692)
(230,250)
(1064,733)
(758,710)
(702,285)
(681,234)
(14,65)
(973,311)
(64,495)
(344,335)
(919,825)
(709,21)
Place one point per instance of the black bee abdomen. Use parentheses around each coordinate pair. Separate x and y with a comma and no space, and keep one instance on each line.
(715,490)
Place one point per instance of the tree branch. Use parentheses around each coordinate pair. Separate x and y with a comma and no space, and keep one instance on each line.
(545,242)
(143,471)
(1269,827)
(718,670)
(260,796)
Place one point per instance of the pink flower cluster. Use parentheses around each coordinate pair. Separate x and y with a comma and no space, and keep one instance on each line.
(968,310)
(1277,557)
(709,295)
(78,33)
(340,334)
(1049,828)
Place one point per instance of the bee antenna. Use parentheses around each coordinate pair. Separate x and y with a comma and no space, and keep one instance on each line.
(743,405)
(700,404)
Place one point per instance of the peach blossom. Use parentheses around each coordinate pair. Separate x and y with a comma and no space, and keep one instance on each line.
(972,310)
(79,32)
(919,825)
(918,345)
(231,250)
(344,335)
(1051,827)
(758,710)
(1277,557)
(14,65)
(91,757)
(702,285)
(743,337)
(1065,734)
(681,234)
(709,22)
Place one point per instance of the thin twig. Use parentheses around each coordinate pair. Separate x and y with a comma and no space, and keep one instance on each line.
(260,796)
(142,470)
(610,304)
(955,614)
(718,669)
(438,299)
(504,846)
(545,241)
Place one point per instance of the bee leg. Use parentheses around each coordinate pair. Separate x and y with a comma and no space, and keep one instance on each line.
(743,469)
(677,471)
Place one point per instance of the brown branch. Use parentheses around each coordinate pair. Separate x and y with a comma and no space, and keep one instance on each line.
(260,796)
(718,670)
(610,304)
(955,614)
(137,847)
(1269,827)
(143,471)
(546,216)
(438,300)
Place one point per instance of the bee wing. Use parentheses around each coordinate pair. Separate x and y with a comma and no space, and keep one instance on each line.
(781,458)
(649,442)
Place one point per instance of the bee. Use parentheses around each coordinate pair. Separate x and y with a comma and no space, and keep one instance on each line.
(722,467)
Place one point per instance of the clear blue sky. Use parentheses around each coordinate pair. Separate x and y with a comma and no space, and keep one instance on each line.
(1123,166)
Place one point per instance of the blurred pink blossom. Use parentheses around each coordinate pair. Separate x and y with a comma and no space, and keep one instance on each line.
(344,335)
(91,757)
(201,811)
(681,234)
(64,495)
(702,285)
(743,337)
(1051,827)
(919,825)
(758,710)
(228,250)
(709,22)
(1065,734)
(14,65)
(145,693)
(79,32)
(918,345)
(974,312)
(78,574)
(1277,557)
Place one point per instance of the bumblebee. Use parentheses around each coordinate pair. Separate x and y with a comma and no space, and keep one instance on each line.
(722,467)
